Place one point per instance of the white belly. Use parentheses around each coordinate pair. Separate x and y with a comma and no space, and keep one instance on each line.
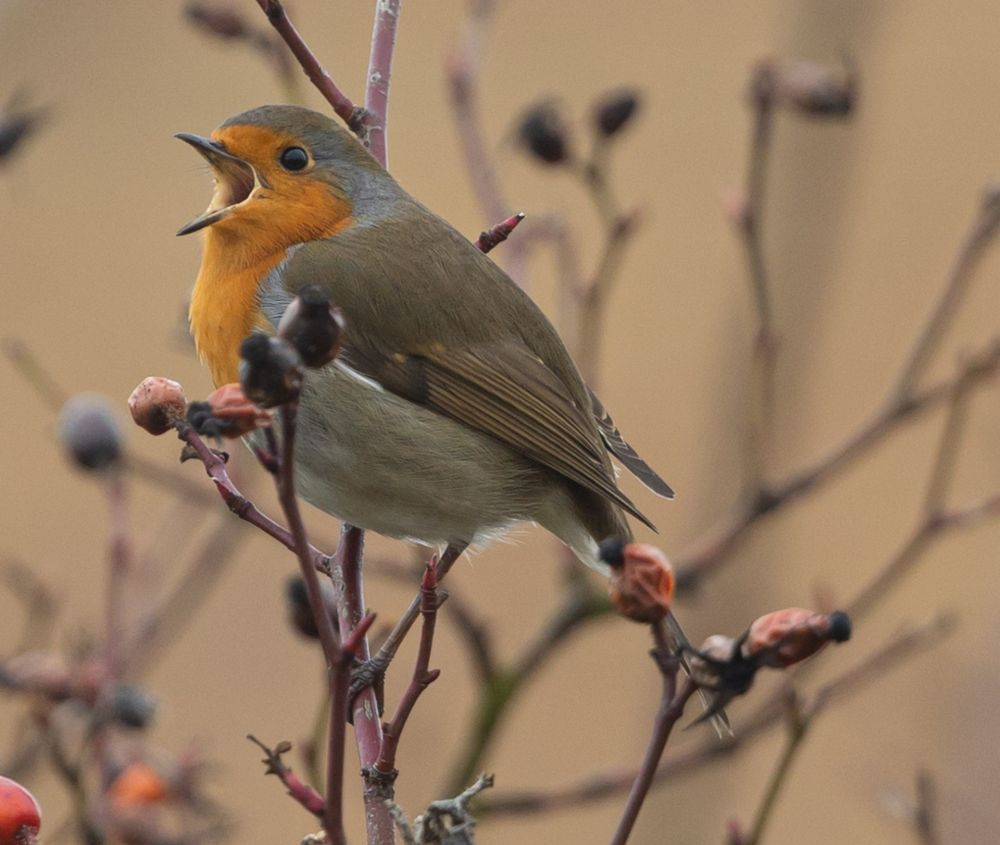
(383,463)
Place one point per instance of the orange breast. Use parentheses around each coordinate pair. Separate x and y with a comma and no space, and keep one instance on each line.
(224,305)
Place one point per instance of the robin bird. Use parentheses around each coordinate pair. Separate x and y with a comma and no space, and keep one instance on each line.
(454,410)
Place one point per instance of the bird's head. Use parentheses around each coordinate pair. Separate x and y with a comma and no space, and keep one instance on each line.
(285,175)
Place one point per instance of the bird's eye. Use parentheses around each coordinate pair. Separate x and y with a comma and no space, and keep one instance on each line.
(294,158)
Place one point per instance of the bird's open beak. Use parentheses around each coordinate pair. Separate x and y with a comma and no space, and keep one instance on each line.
(235,181)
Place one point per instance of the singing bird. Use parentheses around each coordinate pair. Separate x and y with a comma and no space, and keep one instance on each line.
(454,410)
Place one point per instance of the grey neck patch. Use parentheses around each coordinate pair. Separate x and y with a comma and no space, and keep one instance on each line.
(272,296)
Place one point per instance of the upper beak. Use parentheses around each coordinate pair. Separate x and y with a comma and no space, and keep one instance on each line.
(235,181)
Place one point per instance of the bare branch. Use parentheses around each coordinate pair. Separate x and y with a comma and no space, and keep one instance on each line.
(342,105)
(671,709)
(301,792)
(423,675)
(379,75)
(981,234)
(605,784)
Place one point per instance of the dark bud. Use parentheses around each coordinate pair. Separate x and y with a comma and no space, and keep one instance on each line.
(313,326)
(543,133)
(203,421)
(612,551)
(840,626)
(614,111)
(17,124)
(221,21)
(812,89)
(132,706)
(270,370)
(300,614)
(90,432)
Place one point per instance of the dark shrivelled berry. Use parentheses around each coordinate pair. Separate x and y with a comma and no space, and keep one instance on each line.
(543,133)
(270,370)
(614,111)
(90,432)
(313,326)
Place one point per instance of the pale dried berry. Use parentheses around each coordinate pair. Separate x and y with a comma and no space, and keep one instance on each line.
(157,403)
(90,433)
(785,637)
(20,814)
(234,413)
(313,326)
(42,672)
(641,587)
(816,90)
(270,370)
(614,111)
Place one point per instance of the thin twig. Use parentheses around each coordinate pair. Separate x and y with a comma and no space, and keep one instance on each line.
(328,636)
(497,690)
(670,711)
(341,103)
(379,76)
(981,234)
(943,470)
(594,296)
(489,238)
(423,675)
(390,645)
(463,75)
(925,811)
(602,785)
(760,420)
(299,790)
(797,727)
(53,396)
(169,615)
(246,510)
(709,552)
(927,532)
(119,569)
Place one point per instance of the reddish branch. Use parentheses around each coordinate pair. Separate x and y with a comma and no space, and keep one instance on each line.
(300,791)
(605,784)
(499,233)
(671,709)
(352,115)
(337,658)
(423,676)
(239,504)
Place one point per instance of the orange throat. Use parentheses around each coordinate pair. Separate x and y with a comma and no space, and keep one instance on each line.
(225,304)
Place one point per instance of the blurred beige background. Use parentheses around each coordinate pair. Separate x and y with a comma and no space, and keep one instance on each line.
(863,219)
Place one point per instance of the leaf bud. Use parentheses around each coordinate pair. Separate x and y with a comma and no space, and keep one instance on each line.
(614,111)
(543,133)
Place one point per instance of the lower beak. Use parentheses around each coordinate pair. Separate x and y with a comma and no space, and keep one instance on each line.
(235,181)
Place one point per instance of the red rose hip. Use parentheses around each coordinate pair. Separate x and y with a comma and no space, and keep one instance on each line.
(20,815)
